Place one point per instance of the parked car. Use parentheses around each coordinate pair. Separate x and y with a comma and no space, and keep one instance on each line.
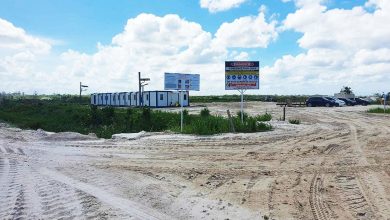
(338,101)
(360,101)
(320,101)
(349,102)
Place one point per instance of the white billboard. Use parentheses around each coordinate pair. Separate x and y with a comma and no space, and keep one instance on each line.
(241,75)
(181,81)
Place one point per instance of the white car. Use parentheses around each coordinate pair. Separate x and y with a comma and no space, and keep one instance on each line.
(341,102)
(338,101)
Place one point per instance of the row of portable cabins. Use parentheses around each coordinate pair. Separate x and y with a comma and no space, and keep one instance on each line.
(154,99)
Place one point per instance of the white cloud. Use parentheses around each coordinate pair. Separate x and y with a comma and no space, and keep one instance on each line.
(220,5)
(247,32)
(149,44)
(342,47)
(19,55)
(14,40)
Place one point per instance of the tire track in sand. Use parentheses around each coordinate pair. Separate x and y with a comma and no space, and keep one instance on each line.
(136,210)
(317,204)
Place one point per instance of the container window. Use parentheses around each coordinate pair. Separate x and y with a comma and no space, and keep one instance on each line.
(185,96)
(161,97)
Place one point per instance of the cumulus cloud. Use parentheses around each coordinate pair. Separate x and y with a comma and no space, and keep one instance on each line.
(14,40)
(247,32)
(343,46)
(220,5)
(19,55)
(148,43)
(152,45)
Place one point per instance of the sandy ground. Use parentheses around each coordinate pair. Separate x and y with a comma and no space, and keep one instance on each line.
(335,165)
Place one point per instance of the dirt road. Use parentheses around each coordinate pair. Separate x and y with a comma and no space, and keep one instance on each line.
(335,165)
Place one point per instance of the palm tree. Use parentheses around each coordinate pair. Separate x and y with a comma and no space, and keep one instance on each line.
(346,90)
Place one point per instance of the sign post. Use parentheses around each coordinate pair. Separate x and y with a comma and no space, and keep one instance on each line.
(242,75)
(181,82)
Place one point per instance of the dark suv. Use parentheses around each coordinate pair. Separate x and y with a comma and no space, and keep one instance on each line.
(320,101)
(349,102)
(360,101)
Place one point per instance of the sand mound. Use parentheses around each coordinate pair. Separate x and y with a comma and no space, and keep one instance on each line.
(68,136)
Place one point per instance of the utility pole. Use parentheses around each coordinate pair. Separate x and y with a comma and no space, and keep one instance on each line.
(82,89)
(141,84)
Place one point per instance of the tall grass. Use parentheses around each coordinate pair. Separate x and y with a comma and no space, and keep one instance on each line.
(107,121)
(379,110)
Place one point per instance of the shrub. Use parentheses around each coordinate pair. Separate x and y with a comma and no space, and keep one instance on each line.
(294,121)
(244,115)
(205,112)
(264,117)
(108,114)
(185,112)
(57,117)
(379,110)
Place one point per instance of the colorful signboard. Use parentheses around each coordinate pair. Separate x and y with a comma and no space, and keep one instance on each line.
(181,81)
(241,75)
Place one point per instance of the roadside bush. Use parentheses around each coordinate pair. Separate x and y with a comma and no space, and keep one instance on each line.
(108,114)
(379,110)
(104,122)
(185,112)
(205,112)
(244,115)
(264,117)
(207,125)
(294,121)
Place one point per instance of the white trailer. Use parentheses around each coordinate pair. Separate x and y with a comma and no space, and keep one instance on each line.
(128,99)
(153,99)
(114,99)
(106,99)
(94,99)
(100,99)
(134,99)
(175,98)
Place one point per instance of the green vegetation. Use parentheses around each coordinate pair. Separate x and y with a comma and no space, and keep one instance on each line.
(294,121)
(237,98)
(379,110)
(52,115)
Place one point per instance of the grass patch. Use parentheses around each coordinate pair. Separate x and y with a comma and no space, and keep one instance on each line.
(104,122)
(294,121)
(379,110)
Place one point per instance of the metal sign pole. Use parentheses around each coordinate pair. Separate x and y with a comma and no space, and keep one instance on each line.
(181,119)
(242,105)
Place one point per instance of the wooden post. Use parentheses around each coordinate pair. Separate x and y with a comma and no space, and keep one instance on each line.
(284,113)
(231,122)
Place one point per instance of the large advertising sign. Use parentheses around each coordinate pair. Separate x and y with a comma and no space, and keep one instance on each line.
(181,81)
(241,75)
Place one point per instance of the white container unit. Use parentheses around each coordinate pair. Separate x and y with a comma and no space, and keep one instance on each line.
(100,99)
(157,99)
(153,99)
(162,99)
(106,99)
(128,99)
(114,99)
(134,99)
(175,98)
(122,98)
(93,99)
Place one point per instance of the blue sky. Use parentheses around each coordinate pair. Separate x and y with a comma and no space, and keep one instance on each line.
(79,26)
